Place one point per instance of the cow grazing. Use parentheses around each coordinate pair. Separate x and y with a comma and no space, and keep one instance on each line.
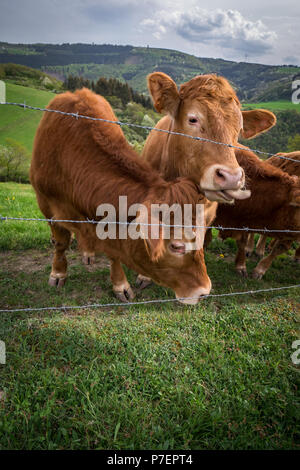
(274,204)
(292,168)
(206,107)
(79,164)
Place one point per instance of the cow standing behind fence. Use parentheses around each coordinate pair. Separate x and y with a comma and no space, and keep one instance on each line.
(79,164)
(274,204)
(291,165)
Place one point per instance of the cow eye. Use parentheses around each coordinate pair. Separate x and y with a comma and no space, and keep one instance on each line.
(193,120)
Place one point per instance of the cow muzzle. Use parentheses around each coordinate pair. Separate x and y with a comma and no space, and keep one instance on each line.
(193,297)
(223,184)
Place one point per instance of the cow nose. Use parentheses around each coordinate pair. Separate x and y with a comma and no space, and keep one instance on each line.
(191,298)
(229,179)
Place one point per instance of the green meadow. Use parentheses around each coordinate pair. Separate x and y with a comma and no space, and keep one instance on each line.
(274,105)
(17,123)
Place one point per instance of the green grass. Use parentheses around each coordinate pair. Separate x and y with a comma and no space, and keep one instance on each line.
(17,123)
(161,376)
(273,105)
(18,200)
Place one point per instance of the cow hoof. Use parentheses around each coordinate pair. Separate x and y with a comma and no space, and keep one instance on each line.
(257,274)
(126,295)
(142,282)
(57,281)
(242,272)
(88,260)
(249,252)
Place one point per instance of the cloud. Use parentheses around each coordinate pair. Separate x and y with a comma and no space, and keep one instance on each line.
(225,28)
(112,10)
(291,59)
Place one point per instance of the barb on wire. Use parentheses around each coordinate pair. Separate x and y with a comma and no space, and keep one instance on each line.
(149,128)
(92,221)
(144,302)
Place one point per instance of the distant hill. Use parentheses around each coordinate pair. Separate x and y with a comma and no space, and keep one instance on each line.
(254,82)
(26,76)
(20,125)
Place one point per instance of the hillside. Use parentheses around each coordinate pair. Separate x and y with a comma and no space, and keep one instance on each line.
(26,76)
(19,124)
(254,82)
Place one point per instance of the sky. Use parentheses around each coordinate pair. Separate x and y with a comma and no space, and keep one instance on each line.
(262,31)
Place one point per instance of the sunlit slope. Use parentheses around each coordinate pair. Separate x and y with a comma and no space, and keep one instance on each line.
(17,123)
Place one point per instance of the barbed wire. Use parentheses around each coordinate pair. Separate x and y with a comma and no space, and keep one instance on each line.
(92,221)
(144,302)
(149,128)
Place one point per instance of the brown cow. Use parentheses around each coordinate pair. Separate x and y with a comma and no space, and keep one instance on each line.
(274,204)
(206,107)
(77,165)
(292,168)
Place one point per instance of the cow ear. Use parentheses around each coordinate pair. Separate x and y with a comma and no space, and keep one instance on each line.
(164,93)
(155,248)
(257,121)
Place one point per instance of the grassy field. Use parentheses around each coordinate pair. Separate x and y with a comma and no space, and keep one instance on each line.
(273,105)
(162,376)
(19,124)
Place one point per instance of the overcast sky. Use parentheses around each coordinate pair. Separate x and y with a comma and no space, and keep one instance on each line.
(262,31)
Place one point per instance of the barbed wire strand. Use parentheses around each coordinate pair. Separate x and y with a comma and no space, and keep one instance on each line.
(149,128)
(89,221)
(144,302)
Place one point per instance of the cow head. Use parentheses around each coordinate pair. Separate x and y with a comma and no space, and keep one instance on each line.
(206,107)
(175,265)
(173,261)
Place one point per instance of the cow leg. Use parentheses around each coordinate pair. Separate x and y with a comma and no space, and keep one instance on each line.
(208,237)
(249,245)
(261,245)
(297,255)
(240,259)
(262,267)
(142,281)
(271,244)
(86,248)
(121,286)
(88,258)
(61,240)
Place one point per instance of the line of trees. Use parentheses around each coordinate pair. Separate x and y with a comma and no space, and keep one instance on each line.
(108,87)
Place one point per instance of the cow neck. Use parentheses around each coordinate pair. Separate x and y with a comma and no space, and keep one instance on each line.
(169,155)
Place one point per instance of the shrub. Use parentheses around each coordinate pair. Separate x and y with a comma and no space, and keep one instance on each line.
(14,162)
(294,143)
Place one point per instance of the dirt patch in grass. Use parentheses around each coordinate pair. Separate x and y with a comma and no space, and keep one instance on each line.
(31,261)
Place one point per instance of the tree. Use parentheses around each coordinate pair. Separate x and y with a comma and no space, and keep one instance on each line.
(294,143)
